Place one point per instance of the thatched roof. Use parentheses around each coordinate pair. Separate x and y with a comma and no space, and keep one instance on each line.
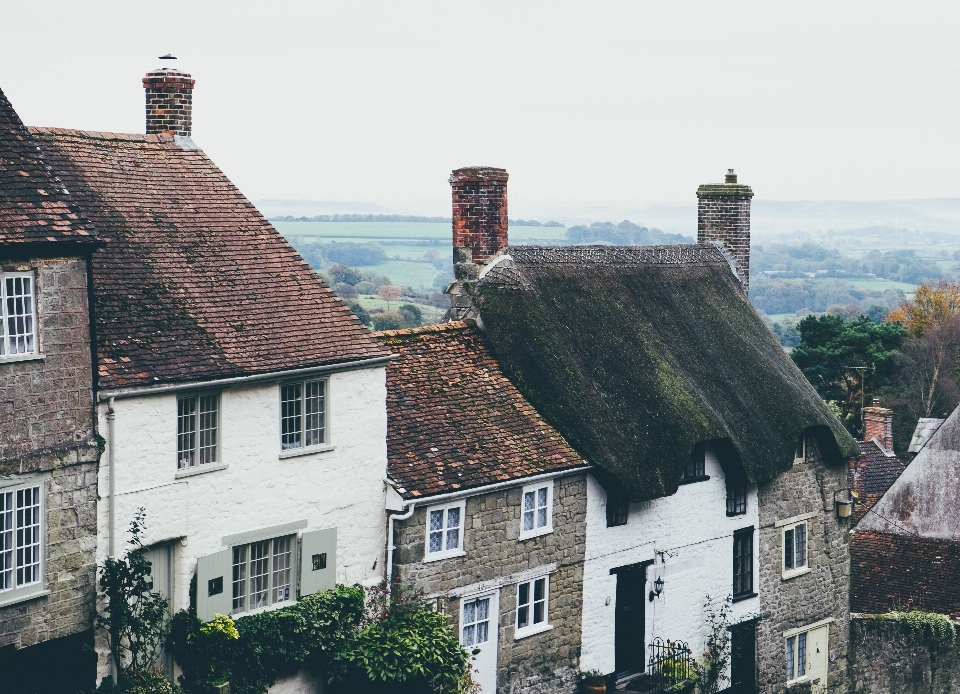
(637,354)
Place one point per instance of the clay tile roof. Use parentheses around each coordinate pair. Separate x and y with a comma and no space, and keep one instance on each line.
(34,206)
(872,475)
(455,421)
(903,571)
(193,282)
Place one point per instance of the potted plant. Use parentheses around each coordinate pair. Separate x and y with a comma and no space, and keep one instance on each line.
(592,682)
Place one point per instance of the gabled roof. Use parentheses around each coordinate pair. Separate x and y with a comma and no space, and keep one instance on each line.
(193,282)
(926,427)
(903,572)
(636,354)
(455,422)
(875,470)
(34,206)
(923,500)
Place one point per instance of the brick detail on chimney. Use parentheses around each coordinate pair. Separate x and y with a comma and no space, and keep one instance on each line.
(723,215)
(169,101)
(878,424)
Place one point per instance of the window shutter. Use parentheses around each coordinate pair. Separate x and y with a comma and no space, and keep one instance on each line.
(214,575)
(318,561)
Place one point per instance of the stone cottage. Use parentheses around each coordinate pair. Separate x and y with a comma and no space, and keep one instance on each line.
(715,464)
(489,506)
(241,402)
(48,446)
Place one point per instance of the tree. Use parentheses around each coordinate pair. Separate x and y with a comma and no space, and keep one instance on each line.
(412,315)
(933,304)
(388,293)
(829,348)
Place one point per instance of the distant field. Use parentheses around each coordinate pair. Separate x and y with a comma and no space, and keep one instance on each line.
(881,285)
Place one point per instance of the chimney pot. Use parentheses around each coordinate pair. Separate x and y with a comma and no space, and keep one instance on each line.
(169,100)
(723,216)
(731,177)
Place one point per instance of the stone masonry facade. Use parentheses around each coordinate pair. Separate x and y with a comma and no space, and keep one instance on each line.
(821,593)
(723,214)
(48,435)
(545,662)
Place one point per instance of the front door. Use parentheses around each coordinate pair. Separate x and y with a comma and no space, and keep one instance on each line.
(818,650)
(479,630)
(630,618)
(161,573)
(743,658)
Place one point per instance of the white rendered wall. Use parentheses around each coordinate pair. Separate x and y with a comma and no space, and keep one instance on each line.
(342,488)
(690,538)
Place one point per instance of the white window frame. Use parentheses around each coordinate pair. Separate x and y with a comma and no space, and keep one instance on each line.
(288,449)
(533,627)
(537,530)
(198,466)
(444,553)
(805,567)
(792,641)
(273,599)
(29,316)
(19,589)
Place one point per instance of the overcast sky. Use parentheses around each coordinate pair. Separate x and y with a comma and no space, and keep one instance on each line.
(583,102)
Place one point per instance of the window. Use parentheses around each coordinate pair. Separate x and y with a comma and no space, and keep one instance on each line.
(444,531)
(262,573)
(794,548)
(532,604)
(536,513)
(617,508)
(736,499)
(303,414)
(18,331)
(695,469)
(796,656)
(743,563)
(801,447)
(20,538)
(475,622)
(197,430)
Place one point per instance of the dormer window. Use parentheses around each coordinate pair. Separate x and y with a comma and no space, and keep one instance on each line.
(18,331)
(695,470)
(736,498)
(801,451)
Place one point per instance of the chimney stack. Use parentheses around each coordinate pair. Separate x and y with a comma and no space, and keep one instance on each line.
(723,215)
(878,424)
(479,231)
(169,100)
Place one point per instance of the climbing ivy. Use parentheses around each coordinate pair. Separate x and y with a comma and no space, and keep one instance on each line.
(927,625)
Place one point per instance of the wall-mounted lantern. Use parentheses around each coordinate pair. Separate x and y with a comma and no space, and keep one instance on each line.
(657,588)
(843,501)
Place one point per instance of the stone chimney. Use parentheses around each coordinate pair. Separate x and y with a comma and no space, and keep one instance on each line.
(723,215)
(169,100)
(878,424)
(479,231)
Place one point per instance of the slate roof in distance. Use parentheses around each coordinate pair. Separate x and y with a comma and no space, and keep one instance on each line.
(926,427)
(193,282)
(636,354)
(34,206)
(455,421)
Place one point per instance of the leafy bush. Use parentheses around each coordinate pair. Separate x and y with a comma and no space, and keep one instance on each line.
(412,315)
(927,625)
(360,312)
(342,274)
(389,320)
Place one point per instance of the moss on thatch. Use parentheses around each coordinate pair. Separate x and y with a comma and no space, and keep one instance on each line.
(636,355)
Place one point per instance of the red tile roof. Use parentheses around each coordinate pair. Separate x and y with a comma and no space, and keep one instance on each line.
(34,206)
(455,421)
(871,475)
(193,282)
(903,571)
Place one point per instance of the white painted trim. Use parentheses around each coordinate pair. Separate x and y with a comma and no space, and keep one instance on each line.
(809,627)
(446,554)
(793,573)
(199,470)
(459,551)
(546,529)
(519,634)
(264,533)
(796,519)
(33,356)
(545,625)
(26,479)
(307,450)
(497,583)
(476,491)
(43,592)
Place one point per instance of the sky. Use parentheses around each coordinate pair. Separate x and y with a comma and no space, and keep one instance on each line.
(584,102)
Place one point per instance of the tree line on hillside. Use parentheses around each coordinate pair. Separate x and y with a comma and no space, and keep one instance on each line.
(626,233)
(409,218)
(911,360)
(349,283)
(811,259)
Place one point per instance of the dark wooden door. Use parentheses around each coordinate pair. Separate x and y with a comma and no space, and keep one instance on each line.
(631,605)
(743,658)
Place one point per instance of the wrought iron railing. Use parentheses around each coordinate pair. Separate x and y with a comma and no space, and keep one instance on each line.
(670,664)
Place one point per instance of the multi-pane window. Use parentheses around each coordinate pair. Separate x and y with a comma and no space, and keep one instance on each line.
(303,414)
(20,533)
(18,331)
(262,573)
(743,563)
(736,499)
(616,509)
(475,622)
(197,430)
(696,464)
(796,656)
(444,531)
(795,547)
(536,517)
(532,600)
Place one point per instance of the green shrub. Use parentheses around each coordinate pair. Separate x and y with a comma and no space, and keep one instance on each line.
(927,625)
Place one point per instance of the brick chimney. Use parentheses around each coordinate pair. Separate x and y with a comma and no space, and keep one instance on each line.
(169,100)
(723,215)
(479,231)
(878,424)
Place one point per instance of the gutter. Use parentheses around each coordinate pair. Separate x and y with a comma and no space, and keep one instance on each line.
(110,394)
(391,546)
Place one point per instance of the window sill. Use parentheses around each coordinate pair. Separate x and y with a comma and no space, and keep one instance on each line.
(296,452)
(199,470)
(23,357)
(531,631)
(268,608)
(698,478)
(13,600)
(787,575)
(745,596)
(530,534)
(734,515)
(437,556)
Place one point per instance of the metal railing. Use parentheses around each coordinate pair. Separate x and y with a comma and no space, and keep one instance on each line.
(670,663)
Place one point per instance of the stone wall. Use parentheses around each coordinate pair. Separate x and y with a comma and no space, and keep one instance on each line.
(823,592)
(544,662)
(886,659)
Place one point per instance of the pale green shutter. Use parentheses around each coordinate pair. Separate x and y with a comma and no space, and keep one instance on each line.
(214,584)
(318,561)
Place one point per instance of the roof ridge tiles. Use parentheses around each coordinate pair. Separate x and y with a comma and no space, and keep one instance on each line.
(425,329)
